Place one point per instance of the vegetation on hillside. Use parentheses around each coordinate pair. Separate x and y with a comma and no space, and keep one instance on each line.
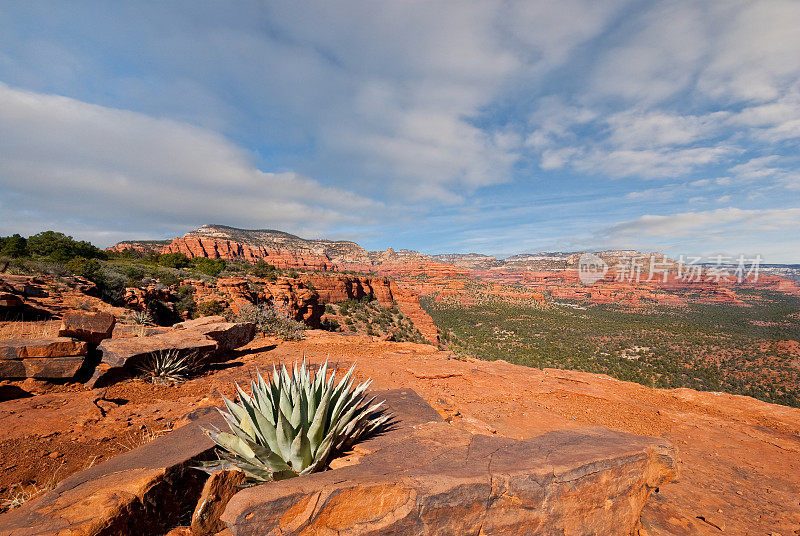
(707,347)
(57,254)
(370,317)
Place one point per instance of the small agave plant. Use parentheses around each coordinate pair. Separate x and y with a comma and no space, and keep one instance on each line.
(291,425)
(165,367)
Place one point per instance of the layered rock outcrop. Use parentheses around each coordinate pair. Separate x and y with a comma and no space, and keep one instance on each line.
(44,358)
(215,248)
(90,327)
(196,339)
(440,479)
(304,298)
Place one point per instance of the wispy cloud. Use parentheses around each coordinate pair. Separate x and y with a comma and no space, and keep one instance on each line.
(71,161)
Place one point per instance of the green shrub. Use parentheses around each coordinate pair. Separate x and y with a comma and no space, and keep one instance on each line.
(168,277)
(134,274)
(166,367)
(88,268)
(212,267)
(174,260)
(61,248)
(264,271)
(140,318)
(186,303)
(331,324)
(269,321)
(210,308)
(13,246)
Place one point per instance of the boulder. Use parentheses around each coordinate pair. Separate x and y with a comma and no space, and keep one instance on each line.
(152,488)
(12,369)
(53,368)
(202,321)
(136,330)
(228,335)
(440,479)
(90,327)
(45,347)
(127,352)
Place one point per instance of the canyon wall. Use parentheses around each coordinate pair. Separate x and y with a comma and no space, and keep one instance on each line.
(304,299)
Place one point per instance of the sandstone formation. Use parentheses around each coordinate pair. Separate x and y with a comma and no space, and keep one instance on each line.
(90,327)
(51,347)
(227,335)
(304,298)
(334,289)
(738,458)
(441,479)
(47,297)
(49,368)
(428,476)
(217,492)
(45,358)
(10,301)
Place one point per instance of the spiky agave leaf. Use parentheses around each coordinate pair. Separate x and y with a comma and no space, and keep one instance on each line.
(163,367)
(292,424)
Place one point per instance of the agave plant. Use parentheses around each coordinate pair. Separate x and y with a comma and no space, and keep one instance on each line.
(291,425)
(163,367)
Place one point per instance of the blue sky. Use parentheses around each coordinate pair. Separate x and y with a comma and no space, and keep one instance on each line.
(496,127)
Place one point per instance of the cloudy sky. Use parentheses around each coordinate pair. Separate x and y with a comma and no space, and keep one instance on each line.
(497,127)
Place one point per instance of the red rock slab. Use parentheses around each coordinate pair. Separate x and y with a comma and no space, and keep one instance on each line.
(141,492)
(52,368)
(228,335)
(89,327)
(47,347)
(146,490)
(202,321)
(130,351)
(121,357)
(441,479)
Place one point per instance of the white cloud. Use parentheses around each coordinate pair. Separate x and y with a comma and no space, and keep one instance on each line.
(774,121)
(730,230)
(661,51)
(649,163)
(636,129)
(69,160)
(765,172)
(753,53)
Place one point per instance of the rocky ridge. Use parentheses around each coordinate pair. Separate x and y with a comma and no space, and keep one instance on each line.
(542,274)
